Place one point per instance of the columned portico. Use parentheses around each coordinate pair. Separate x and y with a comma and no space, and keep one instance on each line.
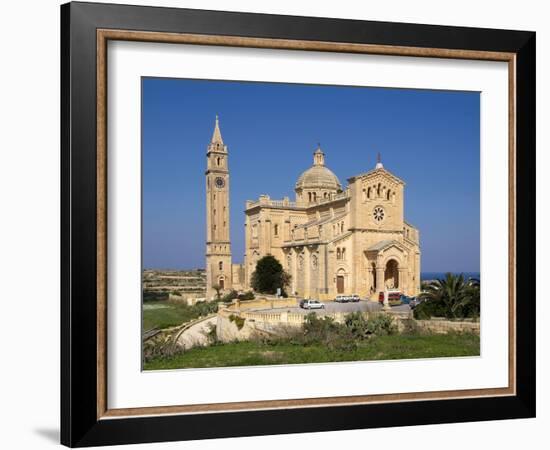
(379,280)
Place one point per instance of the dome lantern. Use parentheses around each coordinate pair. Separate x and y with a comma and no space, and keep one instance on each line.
(318,181)
(318,157)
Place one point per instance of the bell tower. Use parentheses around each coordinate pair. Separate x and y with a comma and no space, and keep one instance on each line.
(218,242)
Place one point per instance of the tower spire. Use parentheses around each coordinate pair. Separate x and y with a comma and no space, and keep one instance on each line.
(217,135)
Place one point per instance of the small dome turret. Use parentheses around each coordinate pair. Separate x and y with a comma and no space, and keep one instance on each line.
(318,179)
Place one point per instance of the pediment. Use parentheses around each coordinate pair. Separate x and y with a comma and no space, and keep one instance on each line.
(387,245)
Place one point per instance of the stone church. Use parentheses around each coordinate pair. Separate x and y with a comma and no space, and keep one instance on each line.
(331,239)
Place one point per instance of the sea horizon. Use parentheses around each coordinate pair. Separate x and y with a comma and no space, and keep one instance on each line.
(439,275)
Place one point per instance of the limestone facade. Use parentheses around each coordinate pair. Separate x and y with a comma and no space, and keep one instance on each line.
(331,239)
(335,240)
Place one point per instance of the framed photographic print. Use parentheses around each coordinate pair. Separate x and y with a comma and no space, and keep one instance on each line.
(276,224)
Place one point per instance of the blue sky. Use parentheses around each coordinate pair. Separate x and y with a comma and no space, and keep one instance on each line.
(430,139)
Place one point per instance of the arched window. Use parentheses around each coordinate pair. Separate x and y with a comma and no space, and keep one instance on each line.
(338,253)
(315,196)
(378,190)
(220,265)
(276,230)
(218,161)
(388,193)
(309,196)
(369,192)
(344,254)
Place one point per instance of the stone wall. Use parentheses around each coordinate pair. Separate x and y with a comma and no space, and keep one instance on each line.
(276,322)
(263,303)
(442,326)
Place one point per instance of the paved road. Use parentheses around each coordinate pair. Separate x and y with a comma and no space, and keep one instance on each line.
(332,307)
(195,335)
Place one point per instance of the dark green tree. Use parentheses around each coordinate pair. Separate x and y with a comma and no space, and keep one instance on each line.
(269,275)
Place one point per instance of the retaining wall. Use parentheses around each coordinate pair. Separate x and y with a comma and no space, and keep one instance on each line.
(277,322)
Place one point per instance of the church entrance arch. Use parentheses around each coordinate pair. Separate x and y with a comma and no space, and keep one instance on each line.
(391,274)
(221,282)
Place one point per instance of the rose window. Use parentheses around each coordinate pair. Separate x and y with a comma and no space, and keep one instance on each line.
(378,214)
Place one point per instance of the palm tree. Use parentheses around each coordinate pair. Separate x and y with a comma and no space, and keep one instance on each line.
(218,290)
(455,295)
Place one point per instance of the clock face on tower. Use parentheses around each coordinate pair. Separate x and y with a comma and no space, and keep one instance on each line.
(220,182)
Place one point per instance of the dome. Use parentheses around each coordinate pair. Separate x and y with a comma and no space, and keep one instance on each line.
(318,176)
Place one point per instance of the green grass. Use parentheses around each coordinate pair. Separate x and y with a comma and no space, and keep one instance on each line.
(251,353)
(164,314)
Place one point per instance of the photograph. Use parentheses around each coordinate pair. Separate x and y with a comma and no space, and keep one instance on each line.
(291,223)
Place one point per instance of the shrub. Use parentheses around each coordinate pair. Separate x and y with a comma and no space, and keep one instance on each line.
(325,330)
(239,321)
(380,324)
(377,324)
(201,309)
(231,295)
(249,295)
(357,324)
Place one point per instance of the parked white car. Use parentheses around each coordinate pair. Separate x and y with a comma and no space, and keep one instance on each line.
(313,304)
(354,298)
